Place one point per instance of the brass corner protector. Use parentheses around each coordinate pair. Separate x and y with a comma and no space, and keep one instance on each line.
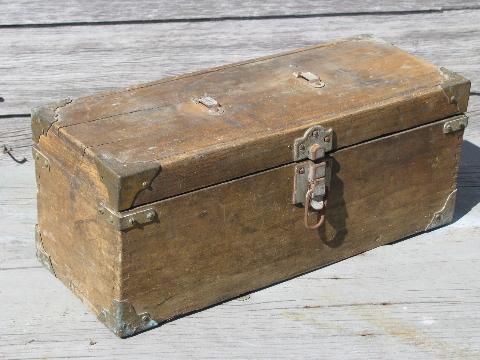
(445,214)
(125,181)
(456,88)
(123,320)
(43,118)
(41,254)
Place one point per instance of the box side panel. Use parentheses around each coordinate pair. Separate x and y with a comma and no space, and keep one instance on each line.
(77,248)
(220,242)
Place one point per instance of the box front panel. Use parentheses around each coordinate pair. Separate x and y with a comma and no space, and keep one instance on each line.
(220,242)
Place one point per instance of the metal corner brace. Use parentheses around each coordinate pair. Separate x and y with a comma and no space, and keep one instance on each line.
(312,177)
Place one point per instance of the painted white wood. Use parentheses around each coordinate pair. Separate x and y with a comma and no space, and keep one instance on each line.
(45,64)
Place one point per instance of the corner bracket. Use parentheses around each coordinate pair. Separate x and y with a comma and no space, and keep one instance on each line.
(123,320)
(41,254)
(124,182)
(445,214)
(43,118)
(456,88)
(40,158)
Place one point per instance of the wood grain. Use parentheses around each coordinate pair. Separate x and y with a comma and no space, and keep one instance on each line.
(415,299)
(245,234)
(41,65)
(71,11)
(368,93)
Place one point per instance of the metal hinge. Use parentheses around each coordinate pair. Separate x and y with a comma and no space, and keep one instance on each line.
(129,219)
(458,123)
(312,177)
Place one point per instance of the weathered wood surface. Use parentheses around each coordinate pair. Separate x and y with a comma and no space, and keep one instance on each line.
(261,116)
(414,299)
(79,12)
(46,64)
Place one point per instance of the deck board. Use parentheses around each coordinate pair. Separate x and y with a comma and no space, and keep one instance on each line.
(46,64)
(27,12)
(417,298)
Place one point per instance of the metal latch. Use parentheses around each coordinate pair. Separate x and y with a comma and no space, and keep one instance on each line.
(311,78)
(211,104)
(312,177)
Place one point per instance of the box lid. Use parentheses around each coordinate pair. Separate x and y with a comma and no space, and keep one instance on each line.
(157,140)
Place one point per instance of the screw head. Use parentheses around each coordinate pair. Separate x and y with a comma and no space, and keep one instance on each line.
(144,184)
(301,147)
(301,170)
(449,128)
(145,318)
(327,138)
(131,221)
(150,215)
(315,133)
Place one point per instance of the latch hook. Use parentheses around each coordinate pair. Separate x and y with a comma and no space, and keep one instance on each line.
(308,203)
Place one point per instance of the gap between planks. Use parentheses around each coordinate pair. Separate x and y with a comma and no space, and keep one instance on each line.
(48,13)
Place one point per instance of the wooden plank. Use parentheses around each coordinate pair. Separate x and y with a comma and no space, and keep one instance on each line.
(71,11)
(41,65)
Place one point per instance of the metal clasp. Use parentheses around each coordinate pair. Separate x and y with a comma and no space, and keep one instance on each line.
(310,188)
(312,177)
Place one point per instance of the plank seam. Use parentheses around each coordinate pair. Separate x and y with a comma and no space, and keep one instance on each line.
(240,18)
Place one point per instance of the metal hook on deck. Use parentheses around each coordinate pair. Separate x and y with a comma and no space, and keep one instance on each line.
(8,151)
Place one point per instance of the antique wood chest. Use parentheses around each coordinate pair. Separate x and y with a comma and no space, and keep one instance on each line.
(165,198)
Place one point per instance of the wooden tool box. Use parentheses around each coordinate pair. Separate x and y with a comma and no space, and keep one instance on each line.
(164,198)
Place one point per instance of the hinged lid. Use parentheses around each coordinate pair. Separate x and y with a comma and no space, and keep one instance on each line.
(165,138)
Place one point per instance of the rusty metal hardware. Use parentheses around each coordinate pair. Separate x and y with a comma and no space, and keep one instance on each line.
(310,188)
(309,200)
(313,144)
(129,219)
(312,178)
(459,122)
(8,151)
(311,78)
(211,104)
